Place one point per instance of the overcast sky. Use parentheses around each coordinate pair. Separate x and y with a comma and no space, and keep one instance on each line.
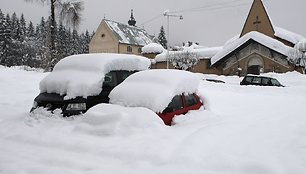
(209,22)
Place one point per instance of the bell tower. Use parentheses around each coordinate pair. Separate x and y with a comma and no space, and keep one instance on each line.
(132,21)
(258,20)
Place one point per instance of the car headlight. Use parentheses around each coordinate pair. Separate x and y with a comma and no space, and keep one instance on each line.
(76,106)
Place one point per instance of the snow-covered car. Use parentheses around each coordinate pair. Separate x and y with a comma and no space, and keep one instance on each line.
(260,81)
(165,92)
(79,82)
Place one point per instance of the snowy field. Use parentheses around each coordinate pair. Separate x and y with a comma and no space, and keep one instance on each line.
(243,130)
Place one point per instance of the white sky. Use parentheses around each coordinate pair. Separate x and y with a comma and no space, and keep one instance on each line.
(212,25)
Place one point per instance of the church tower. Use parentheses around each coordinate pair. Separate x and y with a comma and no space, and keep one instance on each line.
(132,21)
(258,20)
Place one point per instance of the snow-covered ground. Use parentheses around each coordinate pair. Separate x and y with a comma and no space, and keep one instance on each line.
(243,130)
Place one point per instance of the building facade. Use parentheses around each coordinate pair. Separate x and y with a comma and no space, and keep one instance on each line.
(115,37)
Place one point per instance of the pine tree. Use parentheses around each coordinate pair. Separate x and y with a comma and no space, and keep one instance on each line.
(5,39)
(162,37)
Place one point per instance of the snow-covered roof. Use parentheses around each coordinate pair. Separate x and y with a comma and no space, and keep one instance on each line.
(301,46)
(287,35)
(153,48)
(83,75)
(203,53)
(154,89)
(129,34)
(256,36)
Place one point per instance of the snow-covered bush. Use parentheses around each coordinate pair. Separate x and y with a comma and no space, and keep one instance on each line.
(184,60)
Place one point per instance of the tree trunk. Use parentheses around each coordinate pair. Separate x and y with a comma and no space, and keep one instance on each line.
(52,37)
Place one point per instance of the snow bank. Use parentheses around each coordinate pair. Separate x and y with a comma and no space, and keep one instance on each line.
(153,48)
(154,89)
(108,119)
(243,130)
(256,36)
(83,75)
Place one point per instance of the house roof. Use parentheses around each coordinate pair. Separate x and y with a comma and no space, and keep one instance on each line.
(287,35)
(256,36)
(129,34)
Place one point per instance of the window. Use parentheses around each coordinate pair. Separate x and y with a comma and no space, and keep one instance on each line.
(190,100)
(265,81)
(249,79)
(103,35)
(129,49)
(110,79)
(139,50)
(175,104)
(256,80)
(275,82)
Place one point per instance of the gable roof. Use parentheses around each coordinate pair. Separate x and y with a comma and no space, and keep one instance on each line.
(288,35)
(129,34)
(258,20)
(263,39)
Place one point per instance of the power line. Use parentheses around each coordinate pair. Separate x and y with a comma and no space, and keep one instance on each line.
(209,7)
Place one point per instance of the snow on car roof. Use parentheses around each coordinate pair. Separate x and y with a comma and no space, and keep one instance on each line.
(83,75)
(154,89)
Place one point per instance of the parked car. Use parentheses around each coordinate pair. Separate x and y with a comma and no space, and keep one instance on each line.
(79,82)
(166,92)
(260,81)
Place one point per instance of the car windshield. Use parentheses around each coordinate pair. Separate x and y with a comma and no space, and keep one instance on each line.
(275,82)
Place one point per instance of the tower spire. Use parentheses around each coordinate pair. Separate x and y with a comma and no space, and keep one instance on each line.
(132,20)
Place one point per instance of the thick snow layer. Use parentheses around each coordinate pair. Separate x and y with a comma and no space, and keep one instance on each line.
(203,53)
(83,75)
(129,34)
(243,130)
(288,35)
(153,48)
(256,36)
(109,119)
(154,89)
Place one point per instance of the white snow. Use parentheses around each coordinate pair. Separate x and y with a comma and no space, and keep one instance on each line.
(129,34)
(109,119)
(153,48)
(301,46)
(244,129)
(256,36)
(153,89)
(287,35)
(83,75)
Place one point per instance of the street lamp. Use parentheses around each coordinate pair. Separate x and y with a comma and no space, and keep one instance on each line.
(167,13)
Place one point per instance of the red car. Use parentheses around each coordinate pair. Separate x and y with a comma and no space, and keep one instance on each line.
(158,91)
(179,105)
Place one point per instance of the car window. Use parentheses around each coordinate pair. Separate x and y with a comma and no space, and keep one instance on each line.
(190,100)
(125,74)
(110,79)
(256,80)
(265,81)
(175,104)
(275,82)
(249,79)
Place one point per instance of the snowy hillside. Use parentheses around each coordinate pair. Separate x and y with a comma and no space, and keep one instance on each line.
(243,130)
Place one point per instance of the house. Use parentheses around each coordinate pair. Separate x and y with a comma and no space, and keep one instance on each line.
(261,47)
(115,37)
